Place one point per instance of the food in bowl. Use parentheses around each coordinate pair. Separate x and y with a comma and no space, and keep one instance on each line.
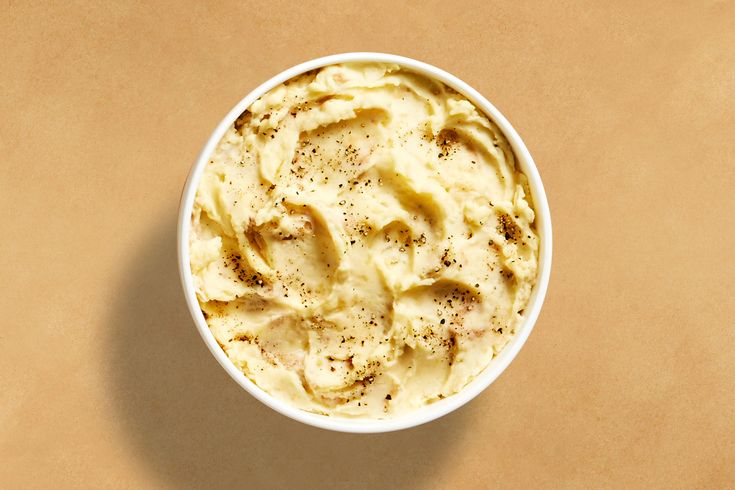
(362,242)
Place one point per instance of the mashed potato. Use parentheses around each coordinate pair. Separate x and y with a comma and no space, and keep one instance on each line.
(362,242)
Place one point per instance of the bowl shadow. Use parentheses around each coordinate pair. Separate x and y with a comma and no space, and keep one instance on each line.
(196,428)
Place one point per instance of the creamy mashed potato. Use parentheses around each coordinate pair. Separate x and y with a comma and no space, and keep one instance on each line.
(362,241)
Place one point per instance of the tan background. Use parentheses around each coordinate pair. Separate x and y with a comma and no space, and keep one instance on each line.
(628,379)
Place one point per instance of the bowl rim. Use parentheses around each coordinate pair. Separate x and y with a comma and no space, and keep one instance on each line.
(495,367)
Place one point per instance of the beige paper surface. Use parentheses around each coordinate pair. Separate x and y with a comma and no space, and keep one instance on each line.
(629,377)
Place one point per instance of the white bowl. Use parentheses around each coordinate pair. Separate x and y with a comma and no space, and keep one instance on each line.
(496,366)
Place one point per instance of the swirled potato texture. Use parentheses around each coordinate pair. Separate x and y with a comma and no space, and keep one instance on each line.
(362,241)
